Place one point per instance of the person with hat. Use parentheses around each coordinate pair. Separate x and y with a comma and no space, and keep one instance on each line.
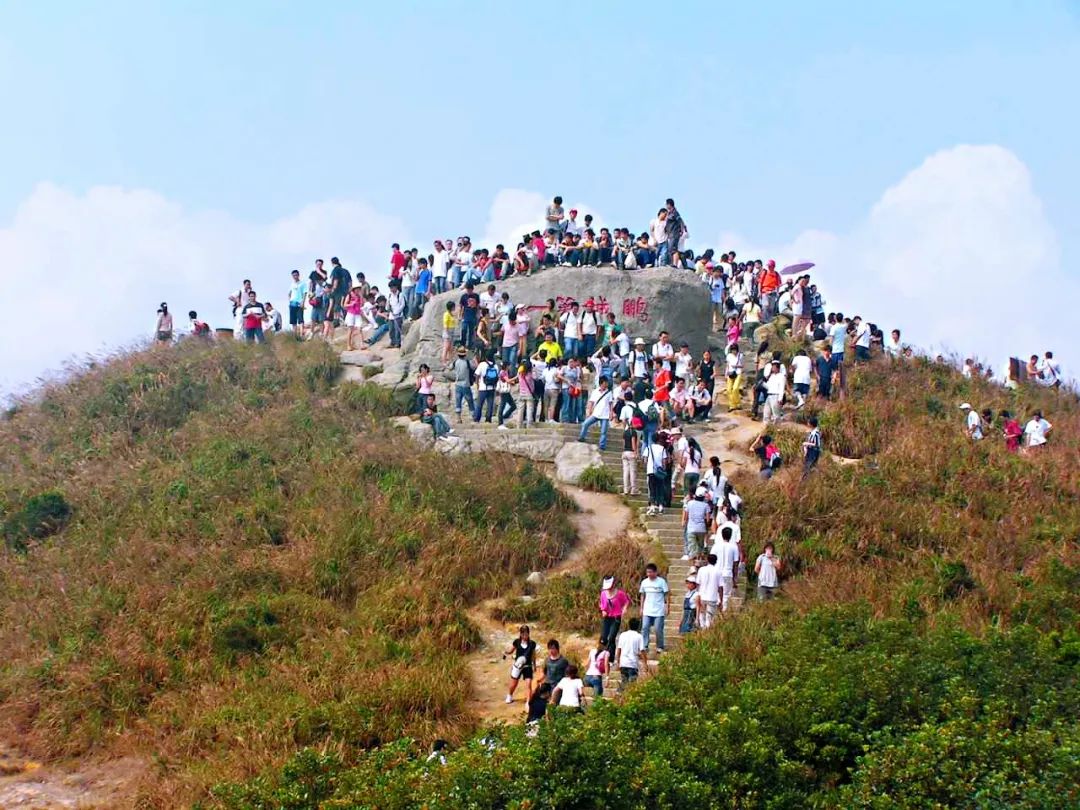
(972,422)
(691,609)
(613,604)
(769,287)
(572,227)
(463,378)
(354,319)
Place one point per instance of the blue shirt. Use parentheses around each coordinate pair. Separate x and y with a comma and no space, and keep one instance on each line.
(423,283)
(716,290)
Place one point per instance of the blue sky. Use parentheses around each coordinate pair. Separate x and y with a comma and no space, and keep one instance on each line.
(765,122)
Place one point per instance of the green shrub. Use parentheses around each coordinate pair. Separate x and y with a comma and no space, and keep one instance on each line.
(597,478)
(41,516)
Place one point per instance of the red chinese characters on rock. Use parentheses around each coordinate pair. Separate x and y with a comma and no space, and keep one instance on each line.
(636,308)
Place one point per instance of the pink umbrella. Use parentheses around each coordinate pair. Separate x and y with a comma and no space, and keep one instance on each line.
(792,269)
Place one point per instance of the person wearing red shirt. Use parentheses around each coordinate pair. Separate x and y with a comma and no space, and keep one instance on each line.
(397,261)
(661,389)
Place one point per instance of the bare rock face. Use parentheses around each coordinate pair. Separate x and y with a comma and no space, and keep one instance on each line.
(645,302)
(573,459)
(360,357)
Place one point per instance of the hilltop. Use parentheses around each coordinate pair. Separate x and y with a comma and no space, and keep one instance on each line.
(221,555)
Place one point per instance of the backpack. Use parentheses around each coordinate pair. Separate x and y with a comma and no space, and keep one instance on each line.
(652,414)
(637,418)
(491,375)
(202,328)
(775,460)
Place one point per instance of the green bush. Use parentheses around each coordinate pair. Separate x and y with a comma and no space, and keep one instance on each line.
(41,516)
(597,478)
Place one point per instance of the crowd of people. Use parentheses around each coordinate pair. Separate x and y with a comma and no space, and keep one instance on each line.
(567,361)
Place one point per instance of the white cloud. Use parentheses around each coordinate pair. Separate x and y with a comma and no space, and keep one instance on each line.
(958,254)
(101,262)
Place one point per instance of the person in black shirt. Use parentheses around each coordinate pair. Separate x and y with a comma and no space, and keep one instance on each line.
(469,305)
(523,650)
(707,371)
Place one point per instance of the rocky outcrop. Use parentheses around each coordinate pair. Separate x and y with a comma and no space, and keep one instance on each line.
(644,301)
(573,459)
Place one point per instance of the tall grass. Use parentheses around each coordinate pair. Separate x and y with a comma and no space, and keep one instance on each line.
(250,565)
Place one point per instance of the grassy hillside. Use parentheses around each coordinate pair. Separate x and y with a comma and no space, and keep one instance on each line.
(926,653)
(215,556)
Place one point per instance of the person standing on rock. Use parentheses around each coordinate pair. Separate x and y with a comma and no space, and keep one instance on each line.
(163,331)
(599,411)
(297,292)
(655,603)
(354,318)
(556,216)
(823,370)
(613,604)
(691,615)
(487,380)
(523,653)
(811,447)
(449,328)
(675,227)
(463,377)
(570,323)
(570,381)
(470,314)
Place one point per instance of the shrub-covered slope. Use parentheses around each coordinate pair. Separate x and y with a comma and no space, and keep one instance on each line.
(215,556)
(926,653)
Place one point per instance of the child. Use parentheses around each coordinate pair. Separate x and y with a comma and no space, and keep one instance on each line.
(598,667)
(449,324)
(691,606)
(538,704)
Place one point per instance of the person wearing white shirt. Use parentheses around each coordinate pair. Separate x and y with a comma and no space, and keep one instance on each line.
(767,567)
(708,578)
(639,360)
(1050,371)
(663,351)
(972,422)
(683,361)
(893,347)
(775,386)
(728,563)
(658,237)
(655,455)
(862,339)
(715,480)
(439,268)
(573,226)
(800,377)
(570,690)
(630,653)
(599,411)
(1037,430)
(488,299)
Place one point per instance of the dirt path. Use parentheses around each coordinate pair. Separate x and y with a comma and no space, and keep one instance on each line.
(26,784)
(602,516)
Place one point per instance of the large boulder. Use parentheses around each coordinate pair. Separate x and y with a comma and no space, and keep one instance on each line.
(519,443)
(645,302)
(573,459)
(359,357)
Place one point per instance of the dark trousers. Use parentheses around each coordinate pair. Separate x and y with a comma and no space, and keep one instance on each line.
(609,632)
(487,397)
(468,332)
(657,485)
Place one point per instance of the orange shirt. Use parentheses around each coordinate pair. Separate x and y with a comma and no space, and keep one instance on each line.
(660,386)
(770,281)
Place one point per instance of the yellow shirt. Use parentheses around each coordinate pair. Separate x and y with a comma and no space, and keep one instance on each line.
(448,320)
(553,349)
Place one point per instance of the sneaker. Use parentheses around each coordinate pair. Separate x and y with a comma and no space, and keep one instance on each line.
(650,511)
(634,492)
(503,427)
(509,699)
(659,510)
(685,558)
